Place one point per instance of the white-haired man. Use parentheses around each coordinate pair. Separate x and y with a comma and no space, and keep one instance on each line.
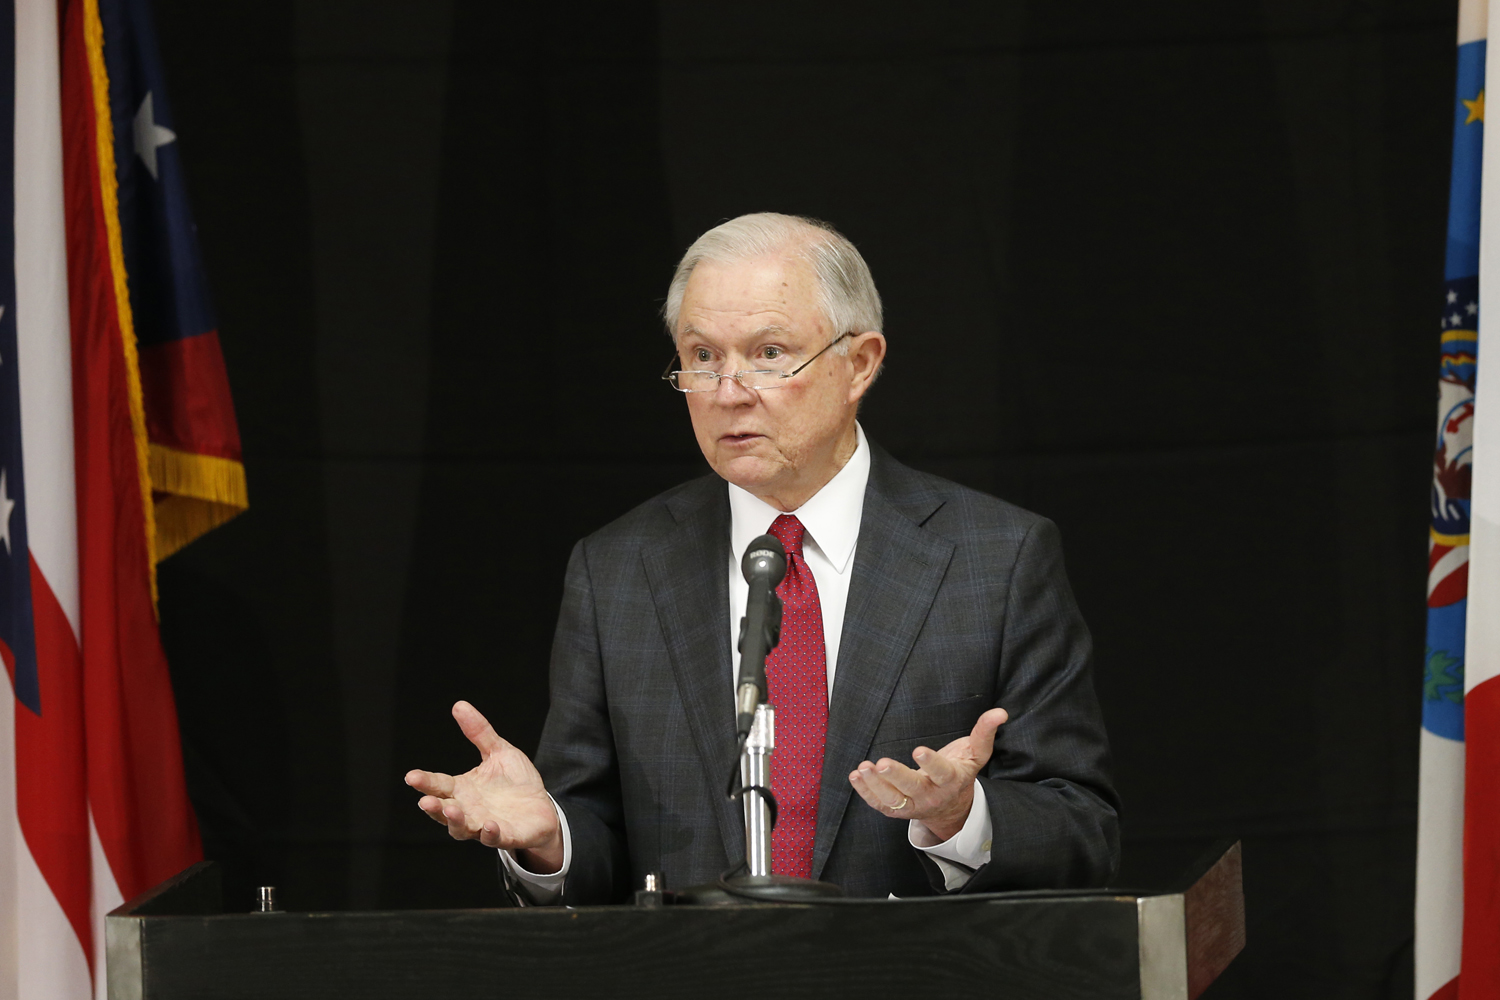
(921,617)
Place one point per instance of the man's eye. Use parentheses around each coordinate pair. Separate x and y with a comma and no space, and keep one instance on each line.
(772,353)
(701,355)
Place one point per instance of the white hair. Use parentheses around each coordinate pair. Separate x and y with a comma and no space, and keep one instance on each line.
(846,289)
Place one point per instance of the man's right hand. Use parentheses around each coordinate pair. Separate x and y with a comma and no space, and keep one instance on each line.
(501,803)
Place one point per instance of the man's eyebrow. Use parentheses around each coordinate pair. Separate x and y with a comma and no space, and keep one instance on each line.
(765,331)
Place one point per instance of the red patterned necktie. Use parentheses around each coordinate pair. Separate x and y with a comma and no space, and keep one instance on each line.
(797,682)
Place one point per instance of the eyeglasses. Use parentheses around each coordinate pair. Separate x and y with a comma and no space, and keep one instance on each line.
(705,381)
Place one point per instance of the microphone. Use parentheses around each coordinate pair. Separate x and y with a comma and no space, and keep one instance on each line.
(764,566)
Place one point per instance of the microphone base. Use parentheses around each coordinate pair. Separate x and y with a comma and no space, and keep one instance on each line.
(765,889)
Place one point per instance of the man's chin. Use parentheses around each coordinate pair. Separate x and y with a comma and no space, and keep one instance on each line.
(751,473)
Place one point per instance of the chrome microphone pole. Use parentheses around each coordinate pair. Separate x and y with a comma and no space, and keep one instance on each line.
(755,776)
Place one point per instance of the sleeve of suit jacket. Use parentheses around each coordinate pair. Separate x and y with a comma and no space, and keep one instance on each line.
(1052,804)
(577,747)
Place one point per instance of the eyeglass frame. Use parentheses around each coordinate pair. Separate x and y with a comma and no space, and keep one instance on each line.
(669,375)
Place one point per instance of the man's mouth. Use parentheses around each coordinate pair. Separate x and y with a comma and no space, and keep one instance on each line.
(742,438)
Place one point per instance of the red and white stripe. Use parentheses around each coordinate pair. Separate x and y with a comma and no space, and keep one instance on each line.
(55,881)
(47,921)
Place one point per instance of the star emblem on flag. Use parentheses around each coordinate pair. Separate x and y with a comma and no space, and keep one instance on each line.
(7,505)
(149,136)
(1476,109)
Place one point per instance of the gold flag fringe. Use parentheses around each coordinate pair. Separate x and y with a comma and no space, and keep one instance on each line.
(194,495)
(104,136)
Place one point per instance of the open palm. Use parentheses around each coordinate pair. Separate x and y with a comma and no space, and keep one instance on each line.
(940,791)
(501,802)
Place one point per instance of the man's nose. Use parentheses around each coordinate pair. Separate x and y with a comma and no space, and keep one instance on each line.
(731,393)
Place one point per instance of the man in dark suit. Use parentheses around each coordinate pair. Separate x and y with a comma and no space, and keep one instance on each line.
(920,615)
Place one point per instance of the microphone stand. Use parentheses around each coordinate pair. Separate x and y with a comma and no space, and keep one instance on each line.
(764,566)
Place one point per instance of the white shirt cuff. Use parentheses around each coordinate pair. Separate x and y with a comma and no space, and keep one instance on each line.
(969,847)
(542,890)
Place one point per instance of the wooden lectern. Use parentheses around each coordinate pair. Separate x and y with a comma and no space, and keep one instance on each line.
(176,943)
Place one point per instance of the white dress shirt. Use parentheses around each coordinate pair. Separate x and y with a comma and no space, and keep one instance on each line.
(831,519)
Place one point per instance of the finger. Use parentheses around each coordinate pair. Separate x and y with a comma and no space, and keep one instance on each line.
(489,834)
(431,783)
(982,739)
(433,807)
(938,769)
(857,779)
(457,826)
(478,729)
(907,783)
(887,796)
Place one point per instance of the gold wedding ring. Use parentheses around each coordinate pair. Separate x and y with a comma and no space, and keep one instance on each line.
(905,801)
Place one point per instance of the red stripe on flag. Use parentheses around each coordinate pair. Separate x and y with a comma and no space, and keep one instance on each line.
(1453,588)
(1448,991)
(135,779)
(188,406)
(1436,552)
(1479,977)
(51,782)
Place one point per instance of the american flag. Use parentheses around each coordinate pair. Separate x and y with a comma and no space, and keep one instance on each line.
(111,431)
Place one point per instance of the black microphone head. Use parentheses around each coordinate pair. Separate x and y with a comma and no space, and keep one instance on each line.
(764,559)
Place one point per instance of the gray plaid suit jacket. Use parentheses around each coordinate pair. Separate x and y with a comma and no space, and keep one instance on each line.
(958,603)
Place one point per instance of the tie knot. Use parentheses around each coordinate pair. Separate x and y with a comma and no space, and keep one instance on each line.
(788,531)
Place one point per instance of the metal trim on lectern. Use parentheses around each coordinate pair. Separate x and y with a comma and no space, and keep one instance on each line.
(1162,924)
(122,958)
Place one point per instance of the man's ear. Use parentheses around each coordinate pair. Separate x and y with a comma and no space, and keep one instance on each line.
(866,356)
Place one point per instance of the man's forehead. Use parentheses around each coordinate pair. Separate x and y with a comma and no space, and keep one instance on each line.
(759,295)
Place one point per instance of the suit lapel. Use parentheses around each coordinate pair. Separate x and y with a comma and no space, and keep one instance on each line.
(898,567)
(687,572)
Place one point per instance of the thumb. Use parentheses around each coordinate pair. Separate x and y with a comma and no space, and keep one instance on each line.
(478,729)
(982,739)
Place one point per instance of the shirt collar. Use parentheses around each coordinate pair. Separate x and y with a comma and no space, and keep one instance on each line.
(831,516)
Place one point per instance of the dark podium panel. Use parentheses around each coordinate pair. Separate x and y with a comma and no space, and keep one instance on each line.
(175,943)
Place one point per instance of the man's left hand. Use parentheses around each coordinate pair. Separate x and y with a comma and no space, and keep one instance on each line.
(940,792)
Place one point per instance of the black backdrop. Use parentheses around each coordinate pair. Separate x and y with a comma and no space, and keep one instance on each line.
(1166,272)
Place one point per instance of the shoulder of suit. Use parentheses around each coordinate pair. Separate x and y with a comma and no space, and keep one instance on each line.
(947,507)
(662,512)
